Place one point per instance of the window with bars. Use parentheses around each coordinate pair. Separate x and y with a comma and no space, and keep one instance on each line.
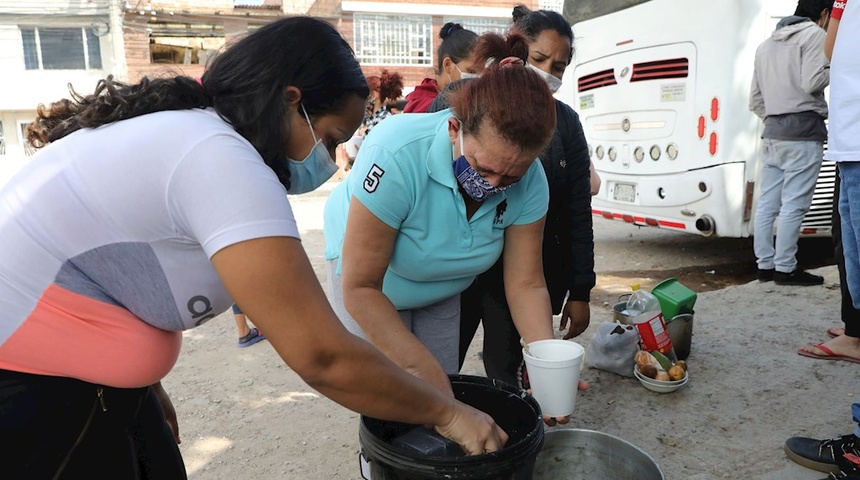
(481,25)
(393,39)
(61,49)
(22,140)
(554,5)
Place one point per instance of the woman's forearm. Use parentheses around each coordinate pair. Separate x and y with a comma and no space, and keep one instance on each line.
(531,312)
(357,376)
(830,39)
(384,328)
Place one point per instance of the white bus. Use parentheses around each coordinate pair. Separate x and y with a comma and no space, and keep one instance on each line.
(662,90)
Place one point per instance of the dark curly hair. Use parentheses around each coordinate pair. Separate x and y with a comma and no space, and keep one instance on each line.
(812,9)
(112,101)
(389,85)
(245,85)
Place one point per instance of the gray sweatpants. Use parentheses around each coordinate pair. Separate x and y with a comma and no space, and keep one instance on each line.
(437,326)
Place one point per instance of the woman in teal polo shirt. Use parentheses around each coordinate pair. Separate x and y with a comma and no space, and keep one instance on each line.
(434,200)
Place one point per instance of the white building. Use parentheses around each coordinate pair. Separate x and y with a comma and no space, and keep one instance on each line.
(45,45)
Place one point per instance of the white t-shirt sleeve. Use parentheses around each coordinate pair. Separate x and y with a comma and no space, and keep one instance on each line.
(222,193)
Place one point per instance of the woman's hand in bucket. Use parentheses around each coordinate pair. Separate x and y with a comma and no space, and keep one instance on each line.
(553,421)
(473,430)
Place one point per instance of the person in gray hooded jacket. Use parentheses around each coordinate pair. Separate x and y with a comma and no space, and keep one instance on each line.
(787,92)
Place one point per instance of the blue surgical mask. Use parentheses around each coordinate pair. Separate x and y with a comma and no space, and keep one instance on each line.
(314,170)
(553,82)
(475,186)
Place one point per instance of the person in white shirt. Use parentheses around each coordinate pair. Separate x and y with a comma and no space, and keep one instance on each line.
(152,208)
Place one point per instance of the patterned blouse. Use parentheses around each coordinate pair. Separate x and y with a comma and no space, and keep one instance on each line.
(378,116)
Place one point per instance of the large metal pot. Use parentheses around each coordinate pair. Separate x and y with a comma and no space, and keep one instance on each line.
(587,454)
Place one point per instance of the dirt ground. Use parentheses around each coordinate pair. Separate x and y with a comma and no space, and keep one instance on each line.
(244,414)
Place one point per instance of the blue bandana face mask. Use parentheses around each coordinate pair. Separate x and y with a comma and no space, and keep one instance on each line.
(314,170)
(475,186)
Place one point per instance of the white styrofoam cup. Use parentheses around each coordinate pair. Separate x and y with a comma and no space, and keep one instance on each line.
(553,368)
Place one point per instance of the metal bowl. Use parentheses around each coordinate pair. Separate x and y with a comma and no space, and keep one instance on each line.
(587,454)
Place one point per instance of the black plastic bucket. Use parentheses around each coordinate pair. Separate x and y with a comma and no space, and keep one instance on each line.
(516,412)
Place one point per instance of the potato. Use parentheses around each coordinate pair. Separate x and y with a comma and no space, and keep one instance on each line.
(682,364)
(662,376)
(643,358)
(676,373)
(649,370)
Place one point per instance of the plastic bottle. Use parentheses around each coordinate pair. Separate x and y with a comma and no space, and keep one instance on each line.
(648,318)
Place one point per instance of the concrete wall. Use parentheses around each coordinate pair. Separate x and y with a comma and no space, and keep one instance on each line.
(21,90)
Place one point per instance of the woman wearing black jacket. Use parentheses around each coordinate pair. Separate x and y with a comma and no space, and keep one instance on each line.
(568,245)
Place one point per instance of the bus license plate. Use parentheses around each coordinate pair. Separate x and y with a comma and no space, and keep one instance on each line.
(624,192)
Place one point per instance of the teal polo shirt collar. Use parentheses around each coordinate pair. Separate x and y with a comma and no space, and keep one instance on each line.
(439,167)
(441,156)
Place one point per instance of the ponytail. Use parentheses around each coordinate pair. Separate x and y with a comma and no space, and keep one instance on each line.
(111,102)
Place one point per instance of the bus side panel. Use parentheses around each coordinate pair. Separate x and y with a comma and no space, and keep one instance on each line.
(673,77)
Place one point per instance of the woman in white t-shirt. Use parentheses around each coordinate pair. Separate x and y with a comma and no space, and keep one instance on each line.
(151,209)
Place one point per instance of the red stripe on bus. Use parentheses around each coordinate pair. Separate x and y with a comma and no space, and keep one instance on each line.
(666,223)
(630,218)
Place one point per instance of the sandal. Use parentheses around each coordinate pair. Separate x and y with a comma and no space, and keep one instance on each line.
(251,338)
(827,355)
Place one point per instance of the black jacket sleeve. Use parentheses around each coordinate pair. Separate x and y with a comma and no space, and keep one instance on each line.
(577,234)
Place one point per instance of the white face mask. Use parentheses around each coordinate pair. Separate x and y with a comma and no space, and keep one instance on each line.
(551,80)
(465,75)
(314,170)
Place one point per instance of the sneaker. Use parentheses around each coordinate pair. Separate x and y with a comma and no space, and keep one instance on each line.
(765,275)
(849,463)
(843,476)
(821,455)
(251,338)
(797,277)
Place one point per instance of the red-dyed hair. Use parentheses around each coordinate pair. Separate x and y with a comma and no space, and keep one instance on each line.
(512,99)
(389,85)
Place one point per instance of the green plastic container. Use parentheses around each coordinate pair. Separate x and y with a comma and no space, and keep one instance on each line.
(674,298)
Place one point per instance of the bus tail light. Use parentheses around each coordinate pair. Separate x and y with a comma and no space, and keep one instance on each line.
(652,222)
(712,144)
(715,109)
(701,128)
(628,218)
